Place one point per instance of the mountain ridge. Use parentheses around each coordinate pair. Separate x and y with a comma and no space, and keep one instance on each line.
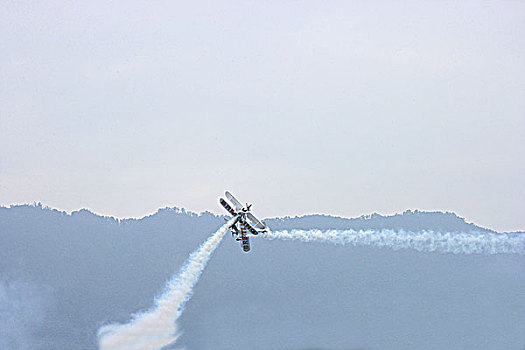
(413,220)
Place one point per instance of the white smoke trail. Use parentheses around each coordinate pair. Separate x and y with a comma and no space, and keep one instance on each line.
(156,327)
(424,241)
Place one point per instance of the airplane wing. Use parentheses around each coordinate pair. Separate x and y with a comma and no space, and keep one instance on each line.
(255,221)
(250,228)
(236,204)
(245,243)
(245,238)
(227,207)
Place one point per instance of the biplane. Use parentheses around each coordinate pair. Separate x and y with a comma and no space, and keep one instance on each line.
(245,224)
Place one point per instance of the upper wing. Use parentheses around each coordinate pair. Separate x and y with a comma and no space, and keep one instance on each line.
(236,204)
(227,207)
(256,221)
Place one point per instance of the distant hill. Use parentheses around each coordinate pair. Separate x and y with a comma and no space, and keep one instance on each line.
(408,221)
(63,275)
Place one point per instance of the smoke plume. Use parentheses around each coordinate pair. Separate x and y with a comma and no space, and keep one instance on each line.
(156,327)
(424,241)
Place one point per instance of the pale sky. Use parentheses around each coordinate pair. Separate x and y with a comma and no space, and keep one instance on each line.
(337,107)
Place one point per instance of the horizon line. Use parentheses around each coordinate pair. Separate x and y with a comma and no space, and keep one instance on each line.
(183,210)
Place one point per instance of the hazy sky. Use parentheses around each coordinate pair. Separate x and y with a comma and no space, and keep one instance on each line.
(335,107)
